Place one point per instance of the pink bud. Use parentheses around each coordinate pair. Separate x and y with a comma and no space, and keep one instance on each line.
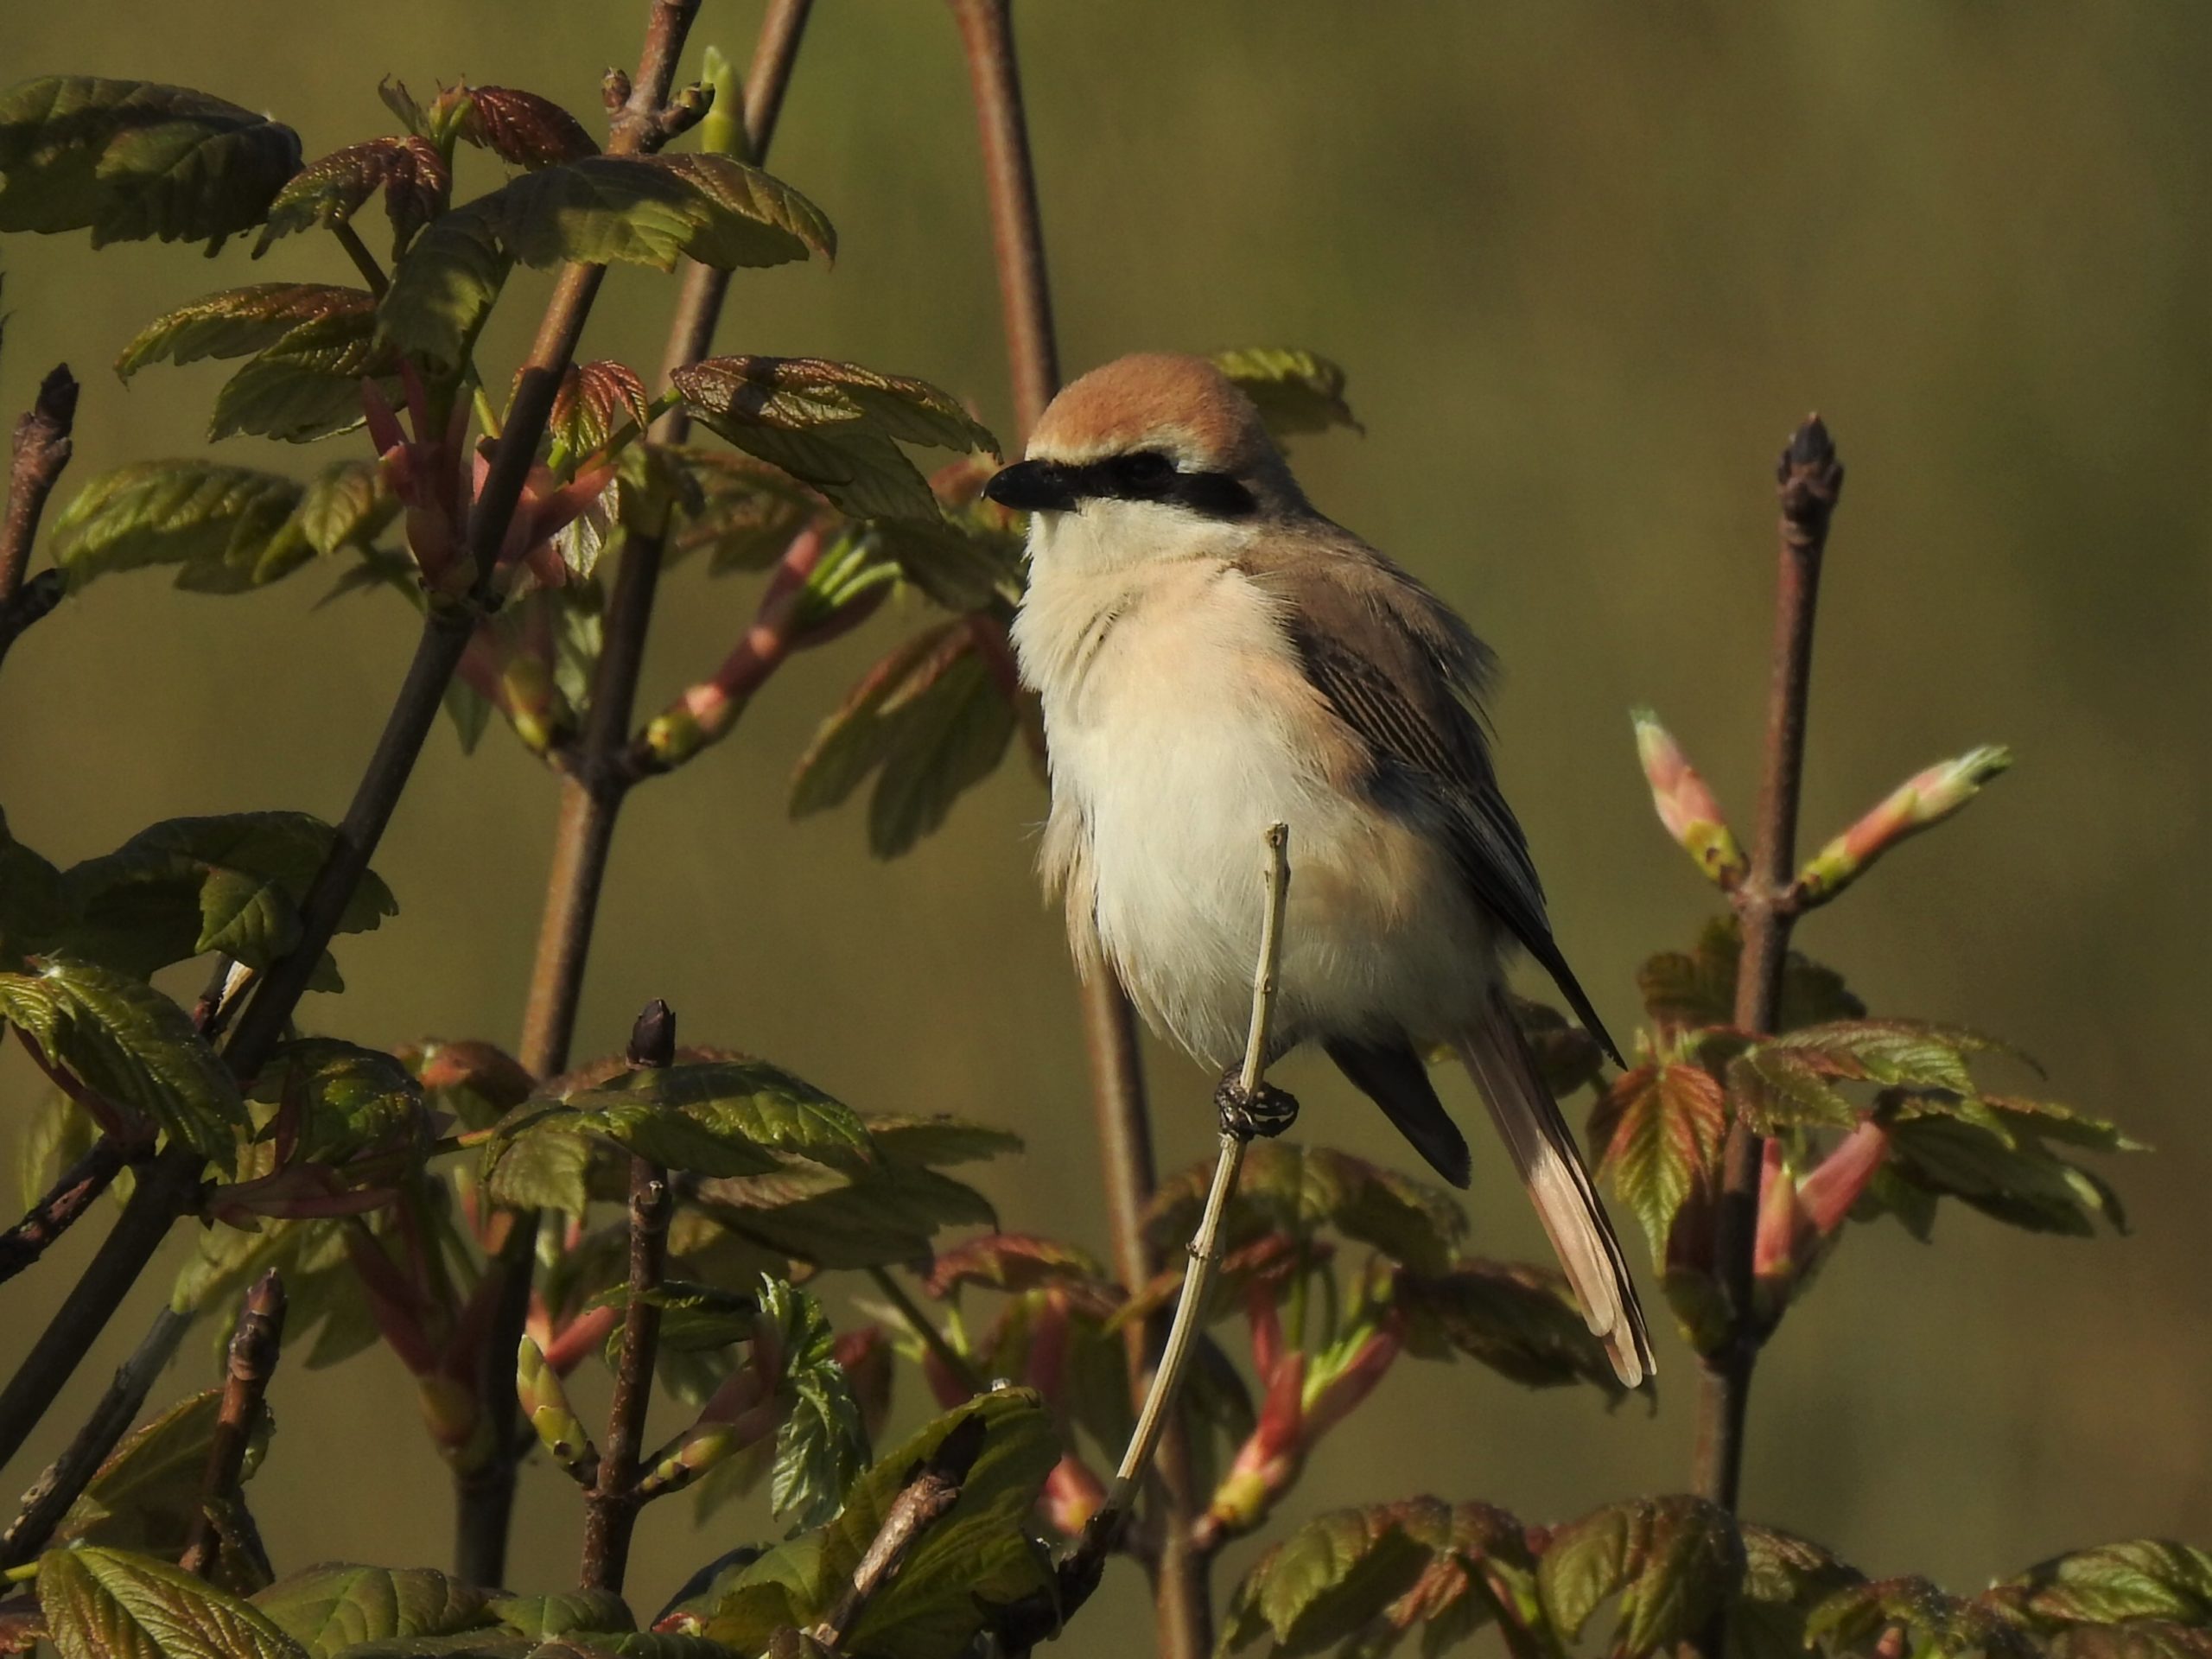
(1687,807)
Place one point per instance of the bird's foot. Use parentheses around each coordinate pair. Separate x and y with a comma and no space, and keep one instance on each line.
(1267,1110)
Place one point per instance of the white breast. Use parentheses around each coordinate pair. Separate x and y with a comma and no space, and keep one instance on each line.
(1181,726)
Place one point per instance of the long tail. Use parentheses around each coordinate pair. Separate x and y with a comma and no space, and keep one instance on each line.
(1551,1168)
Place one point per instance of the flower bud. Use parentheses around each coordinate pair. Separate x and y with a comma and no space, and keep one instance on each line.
(1920,801)
(1687,807)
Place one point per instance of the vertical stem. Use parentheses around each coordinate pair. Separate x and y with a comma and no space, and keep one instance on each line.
(1182,1598)
(591,802)
(1809,480)
(41,449)
(611,1512)
(252,1357)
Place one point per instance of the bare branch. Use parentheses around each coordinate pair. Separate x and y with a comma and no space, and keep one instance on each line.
(254,1346)
(41,449)
(65,1201)
(931,1488)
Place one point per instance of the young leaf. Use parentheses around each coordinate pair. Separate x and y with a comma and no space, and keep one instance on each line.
(821,1446)
(445,286)
(126,1041)
(1785,1577)
(2022,1184)
(594,400)
(327,1609)
(961,562)
(409,170)
(129,159)
(188,885)
(868,1217)
(543,1617)
(949,738)
(742,511)
(308,385)
(1329,1580)
(1012,1262)
(1296,391)
(147,1494)
(346,505)
(349,1099)
(225,528)
(1934,1623)
(237,322)
(1693,988)
(2145,1578)
(1674,1561)
(1660,1128)
(521,127)
(110,1604)
(1293,1189)
(1520,1320)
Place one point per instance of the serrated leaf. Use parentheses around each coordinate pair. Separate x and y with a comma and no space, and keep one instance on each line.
(821,1446)
(349,1099)
(2140,1638)
(1673,1561)
(184,887)
(238,323)
(346,505)
(132,159)
(1296,391)
(824,1218)
(1519,1319)
(111,1603)
(522,127)
(693,1318)
(445,286)
(854,740)
(1012,1262)
(949,738)
(939,1138)
(1659,1129)
(543,1617)
(1331,1577)
(148,1492)
(1785,1578)
(595,399)
(2024,1185)
(329,1608)
(222,526)
(712,1117)
(330,190)
(742,511)
(128,1043)
(1935,1622)
(1698,988)
(2143,1578)
(1293,1189)
(307,385)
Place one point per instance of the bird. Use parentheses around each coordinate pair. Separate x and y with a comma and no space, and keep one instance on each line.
(1213,656)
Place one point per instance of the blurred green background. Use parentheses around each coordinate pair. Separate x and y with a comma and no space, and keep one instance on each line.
(1586,265)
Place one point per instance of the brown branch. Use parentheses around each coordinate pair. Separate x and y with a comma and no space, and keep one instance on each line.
(172,1184)
(591,800)
(1809,480)
(65,1201)
(611,1512)
(254,1345)
(48,1500)
(1182,1598)
(41,449)
(930,1490)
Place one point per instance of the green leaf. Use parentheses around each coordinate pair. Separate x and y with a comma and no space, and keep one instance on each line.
(1788,1081)
(1660,1129)
(821,1446)
(1298,1189)
(693,1318)
(977,1556)
(2143,1578)
(347,504)
(223,527)
(445,286)
(835,426)
(184,887)
(129,159)
(939,1138)
(826,1218)
(1698,988)
(1296,391)
(110,1604)
(2024,1185)
(330,190)
(127,1042)
(34,906)
(308,384)
(543,1617)
(1333,1577)
(1673,1561)
(1519,1319)
(2140,1638)
(1785,1578)
(327,1609)
(59,1135)
(712,1117)
(349,1099)
(146,1495)
(1935,1623)
(238,323)
(742,511)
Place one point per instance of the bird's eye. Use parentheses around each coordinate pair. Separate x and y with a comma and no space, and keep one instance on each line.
(1147,469)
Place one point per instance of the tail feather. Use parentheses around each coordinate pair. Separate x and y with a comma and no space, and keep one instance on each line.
(1551,1167)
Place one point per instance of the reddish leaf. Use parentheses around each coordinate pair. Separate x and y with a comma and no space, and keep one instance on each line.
(1660,1129)
(521,127)
(1934,1621)
(1687,989)
(329,191)
(1674,1561)
(594,400)
(1014,1262)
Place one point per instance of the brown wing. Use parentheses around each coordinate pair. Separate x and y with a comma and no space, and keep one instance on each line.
(1402,670)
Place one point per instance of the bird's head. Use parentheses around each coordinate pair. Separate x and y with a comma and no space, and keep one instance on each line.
(1146,453)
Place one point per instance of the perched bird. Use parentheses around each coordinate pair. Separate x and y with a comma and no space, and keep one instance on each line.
(1213,656)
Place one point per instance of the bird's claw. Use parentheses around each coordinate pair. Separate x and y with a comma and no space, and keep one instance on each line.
(1267,1110)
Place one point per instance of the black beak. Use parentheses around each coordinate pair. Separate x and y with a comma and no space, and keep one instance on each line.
(1034,486)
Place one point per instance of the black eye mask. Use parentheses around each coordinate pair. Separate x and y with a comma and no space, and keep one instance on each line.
(1145,475)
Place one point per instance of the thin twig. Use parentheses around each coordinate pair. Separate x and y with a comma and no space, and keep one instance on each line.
(931,1488)
(364,261)
(591,800)
(47,1500)
(611,1512)
(925,1330)
(41,450)
(1810,477)
(65,1201)
(254,1345)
